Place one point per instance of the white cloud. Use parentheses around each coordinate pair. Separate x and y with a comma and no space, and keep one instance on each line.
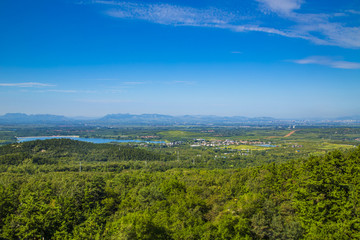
(184,16)
(254,28)
(330,62)
(282,6)
(321,29)
(353,11)
(338,35)
(26,84)
(168,14)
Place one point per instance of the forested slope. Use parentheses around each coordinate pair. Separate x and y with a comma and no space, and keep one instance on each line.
(66,155)
(66,150)
(317,198)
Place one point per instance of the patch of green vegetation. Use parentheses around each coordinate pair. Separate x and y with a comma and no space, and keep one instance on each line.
(180,134)
(248,147)
(313,198)
(332,146)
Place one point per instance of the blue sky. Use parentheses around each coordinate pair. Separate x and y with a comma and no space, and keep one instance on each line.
(277,58)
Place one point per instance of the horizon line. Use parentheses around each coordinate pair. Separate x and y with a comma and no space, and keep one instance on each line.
(183,115)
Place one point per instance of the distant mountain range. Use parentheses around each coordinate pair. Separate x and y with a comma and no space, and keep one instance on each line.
(153,119)
(167,119)
(21,118)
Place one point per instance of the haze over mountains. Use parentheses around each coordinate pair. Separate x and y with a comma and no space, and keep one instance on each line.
(160,119)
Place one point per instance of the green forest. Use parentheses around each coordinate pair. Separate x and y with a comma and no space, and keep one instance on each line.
(65,189)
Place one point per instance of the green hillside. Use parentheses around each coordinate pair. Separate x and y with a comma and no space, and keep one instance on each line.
(316,198)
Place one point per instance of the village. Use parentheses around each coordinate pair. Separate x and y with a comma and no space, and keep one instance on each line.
(227,142)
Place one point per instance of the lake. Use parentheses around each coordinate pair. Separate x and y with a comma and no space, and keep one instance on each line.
(92,140)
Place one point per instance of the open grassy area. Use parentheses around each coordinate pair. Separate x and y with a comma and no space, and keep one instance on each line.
(181,134)
(332,146)
(248,147)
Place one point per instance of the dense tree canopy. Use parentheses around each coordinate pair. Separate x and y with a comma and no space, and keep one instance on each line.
(316,198)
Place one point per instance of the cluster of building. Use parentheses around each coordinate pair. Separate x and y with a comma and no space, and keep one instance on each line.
(174,143)
(149,137)
(227,142)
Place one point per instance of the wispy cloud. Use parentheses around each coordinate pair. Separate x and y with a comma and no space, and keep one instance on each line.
(254,28)
(327,61)
(282,6)
(169,14)
(321,29)
(186,16)
(353,11)
(26,84)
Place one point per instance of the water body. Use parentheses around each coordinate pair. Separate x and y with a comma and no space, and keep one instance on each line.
(266,145)
(92,140)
